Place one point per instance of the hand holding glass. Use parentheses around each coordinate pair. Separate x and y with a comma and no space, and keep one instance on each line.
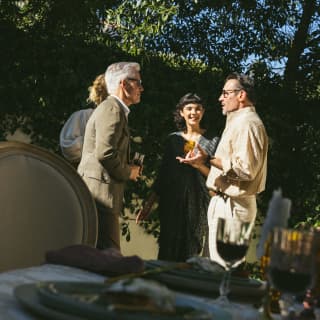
(138,160)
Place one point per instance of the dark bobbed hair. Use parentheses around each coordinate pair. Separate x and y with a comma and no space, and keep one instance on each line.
(186,99)
(246,83)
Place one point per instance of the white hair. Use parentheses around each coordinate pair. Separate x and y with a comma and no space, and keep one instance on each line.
(119,71)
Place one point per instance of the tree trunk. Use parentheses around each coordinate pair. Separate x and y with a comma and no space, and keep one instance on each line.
(299,44)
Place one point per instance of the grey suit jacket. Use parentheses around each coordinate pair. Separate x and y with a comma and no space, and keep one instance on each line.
(104,164)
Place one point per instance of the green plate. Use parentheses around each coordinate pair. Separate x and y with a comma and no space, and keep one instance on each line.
(27,295)
(199,281)
(73,301)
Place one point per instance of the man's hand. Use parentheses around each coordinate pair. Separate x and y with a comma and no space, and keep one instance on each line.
(194,158)
(135,172)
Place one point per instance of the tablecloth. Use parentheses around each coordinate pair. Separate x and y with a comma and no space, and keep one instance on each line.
(11,309)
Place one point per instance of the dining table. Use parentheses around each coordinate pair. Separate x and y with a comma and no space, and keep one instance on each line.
(17,304)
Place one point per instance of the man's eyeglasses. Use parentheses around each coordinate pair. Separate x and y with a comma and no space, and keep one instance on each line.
(139,81)
(226,93)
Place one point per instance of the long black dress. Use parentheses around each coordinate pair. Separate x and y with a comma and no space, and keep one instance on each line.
(183,201)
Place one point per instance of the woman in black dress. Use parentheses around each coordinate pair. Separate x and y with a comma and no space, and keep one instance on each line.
(179,188)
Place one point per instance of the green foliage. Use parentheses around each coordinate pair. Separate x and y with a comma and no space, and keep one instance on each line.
(51,57)
(138,21)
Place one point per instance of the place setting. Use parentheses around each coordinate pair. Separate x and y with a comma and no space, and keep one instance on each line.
(123,291)
(131,288)
(129,299)
(204,277)
(161,290)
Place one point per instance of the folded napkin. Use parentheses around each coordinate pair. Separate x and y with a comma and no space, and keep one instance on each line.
(108,262)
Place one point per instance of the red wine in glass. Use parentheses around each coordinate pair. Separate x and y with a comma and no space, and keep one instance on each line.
(292,266)
(232,241)
(289,280)
(231,252)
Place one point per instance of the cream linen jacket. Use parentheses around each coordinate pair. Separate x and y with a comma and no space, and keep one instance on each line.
(243,150)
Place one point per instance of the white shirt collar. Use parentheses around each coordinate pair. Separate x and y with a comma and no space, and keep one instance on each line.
(124,106)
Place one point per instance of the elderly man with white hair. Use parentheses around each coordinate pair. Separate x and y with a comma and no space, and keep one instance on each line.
(105,163)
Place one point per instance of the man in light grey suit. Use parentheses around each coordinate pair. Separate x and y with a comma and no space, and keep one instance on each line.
(105,163)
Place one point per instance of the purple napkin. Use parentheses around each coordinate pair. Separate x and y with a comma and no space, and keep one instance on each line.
(106,262)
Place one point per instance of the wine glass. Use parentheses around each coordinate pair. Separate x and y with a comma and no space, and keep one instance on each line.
(138,159)
(232,240)
(270,300)
(292,265)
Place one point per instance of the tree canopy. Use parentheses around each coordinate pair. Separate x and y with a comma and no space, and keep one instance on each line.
(53,49)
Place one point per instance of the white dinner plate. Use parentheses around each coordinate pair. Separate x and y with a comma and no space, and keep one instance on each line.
(63,300)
